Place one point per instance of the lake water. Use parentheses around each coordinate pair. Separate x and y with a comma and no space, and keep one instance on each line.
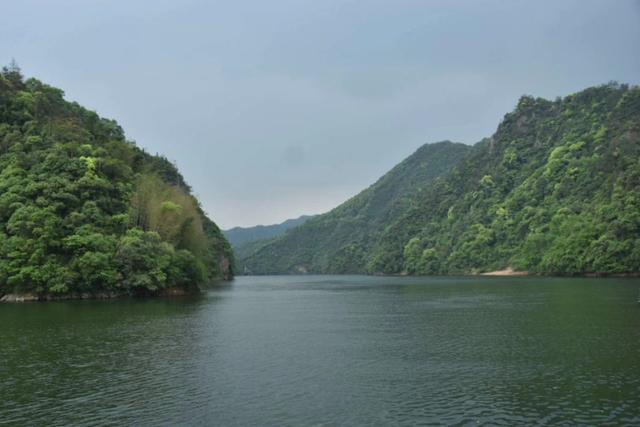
(331,350)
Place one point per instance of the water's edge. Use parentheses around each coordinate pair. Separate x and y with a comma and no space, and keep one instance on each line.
(13,297)
(104,295)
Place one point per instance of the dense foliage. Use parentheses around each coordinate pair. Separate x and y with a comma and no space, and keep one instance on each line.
(556,190)
(340,241)
(82,210)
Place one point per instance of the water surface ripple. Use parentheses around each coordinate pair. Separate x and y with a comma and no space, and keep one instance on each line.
(331,350)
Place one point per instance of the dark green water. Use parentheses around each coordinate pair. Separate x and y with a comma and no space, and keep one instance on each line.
(331,350)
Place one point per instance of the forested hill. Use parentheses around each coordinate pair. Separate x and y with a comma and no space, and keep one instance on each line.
(84,211)
(341,240)
(239,236)
(245,241)
(556,190)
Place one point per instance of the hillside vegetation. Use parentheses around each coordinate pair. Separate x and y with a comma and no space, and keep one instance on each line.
(246,240)
(82,210)
(556,190)
(239,236)
(341,240)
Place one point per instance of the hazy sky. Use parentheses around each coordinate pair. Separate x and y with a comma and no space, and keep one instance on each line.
(273,109)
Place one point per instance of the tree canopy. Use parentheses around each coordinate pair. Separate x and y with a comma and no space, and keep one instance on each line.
(84,210)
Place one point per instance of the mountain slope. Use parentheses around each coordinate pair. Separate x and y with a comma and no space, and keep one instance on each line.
(239,236)
(246,241)
(339,241)
(556,190)
(84,211)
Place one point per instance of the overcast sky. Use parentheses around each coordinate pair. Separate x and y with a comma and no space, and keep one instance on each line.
(278,108)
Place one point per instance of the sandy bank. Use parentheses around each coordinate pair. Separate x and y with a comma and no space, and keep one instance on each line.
(506,272)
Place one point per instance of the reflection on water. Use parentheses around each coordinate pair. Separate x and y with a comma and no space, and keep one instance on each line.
(328,350)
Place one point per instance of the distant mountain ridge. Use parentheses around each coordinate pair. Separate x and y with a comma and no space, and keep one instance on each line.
(338,241)
(239,236)
(555,190)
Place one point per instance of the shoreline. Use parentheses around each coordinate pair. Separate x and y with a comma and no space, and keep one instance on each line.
(505,272)
(104,295)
